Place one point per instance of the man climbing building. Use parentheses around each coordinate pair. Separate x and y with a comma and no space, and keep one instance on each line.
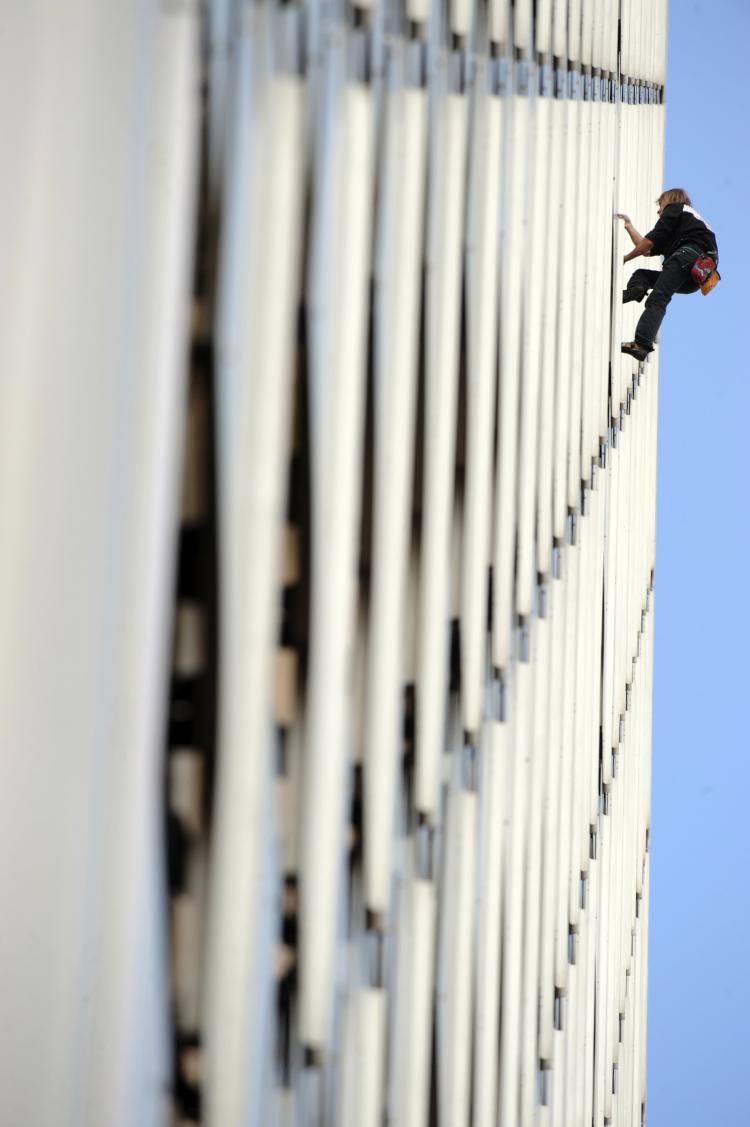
(690,258)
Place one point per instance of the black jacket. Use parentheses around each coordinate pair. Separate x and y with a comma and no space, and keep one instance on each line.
(679,226)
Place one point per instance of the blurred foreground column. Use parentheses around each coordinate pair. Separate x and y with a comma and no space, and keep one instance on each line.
(98,112)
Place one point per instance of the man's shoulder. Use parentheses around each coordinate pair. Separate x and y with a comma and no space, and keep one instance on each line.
(695,215)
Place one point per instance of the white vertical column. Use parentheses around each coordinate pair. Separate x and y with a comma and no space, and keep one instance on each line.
(397,294)
(362,1069)
(498,21)
(565,326)
(514,240)
(543,29)
(560,30)
(533,884)
(443,282)
(522,20)
(512,919)
(494,810)
(531,340)
(411,1048)
(337,326)
(259,293)
(551,820)
(579,285)
(455,966)
(553,269)
(97,214)
(482,268)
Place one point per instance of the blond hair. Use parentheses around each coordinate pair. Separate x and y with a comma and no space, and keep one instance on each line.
(674,195)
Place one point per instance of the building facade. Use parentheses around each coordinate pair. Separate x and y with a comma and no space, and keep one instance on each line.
(319,455)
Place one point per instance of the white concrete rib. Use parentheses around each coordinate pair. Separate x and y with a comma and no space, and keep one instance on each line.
(512,251)
(482,275)
(254,357)
(397,310)
(338,304)
(100,139)
(443,287)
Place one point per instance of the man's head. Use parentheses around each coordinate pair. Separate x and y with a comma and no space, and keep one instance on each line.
(672,195)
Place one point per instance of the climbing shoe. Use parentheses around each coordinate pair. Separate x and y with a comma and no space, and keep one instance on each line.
(635,349)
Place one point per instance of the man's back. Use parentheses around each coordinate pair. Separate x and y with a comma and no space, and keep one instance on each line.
(680,225)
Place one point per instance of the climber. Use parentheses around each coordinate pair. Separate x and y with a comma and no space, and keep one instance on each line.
(688,245)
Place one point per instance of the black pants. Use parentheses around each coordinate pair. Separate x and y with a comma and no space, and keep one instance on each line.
(674,277)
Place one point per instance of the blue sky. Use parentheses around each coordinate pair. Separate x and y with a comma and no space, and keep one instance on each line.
(699,974)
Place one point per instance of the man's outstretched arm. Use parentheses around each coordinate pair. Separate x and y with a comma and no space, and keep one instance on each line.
(640,244)
(643,246)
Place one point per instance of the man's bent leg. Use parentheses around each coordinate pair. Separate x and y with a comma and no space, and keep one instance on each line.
(639,283)
(669,281)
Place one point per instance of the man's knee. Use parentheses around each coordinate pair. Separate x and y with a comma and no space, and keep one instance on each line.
(638,286)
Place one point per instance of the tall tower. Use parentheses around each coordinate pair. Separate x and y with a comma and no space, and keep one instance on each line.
(399,869)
